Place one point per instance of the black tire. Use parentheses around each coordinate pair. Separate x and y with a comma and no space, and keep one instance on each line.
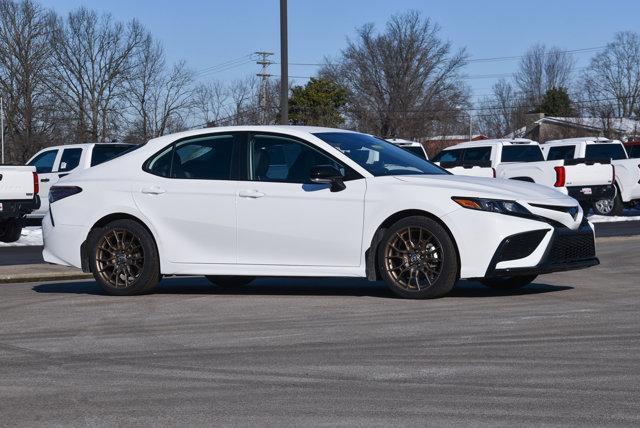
(112,258)
(227,281)
(430,249)
(508,283)
(10,231)
(614,207)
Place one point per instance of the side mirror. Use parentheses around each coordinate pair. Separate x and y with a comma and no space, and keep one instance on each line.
(328,174)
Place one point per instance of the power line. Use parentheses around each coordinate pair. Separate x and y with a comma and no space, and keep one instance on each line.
(264,75)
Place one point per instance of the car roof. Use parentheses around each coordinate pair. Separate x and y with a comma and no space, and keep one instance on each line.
(587,140)
(494,142)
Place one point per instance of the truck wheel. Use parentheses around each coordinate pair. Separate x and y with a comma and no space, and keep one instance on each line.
(508,283)
(10,231)
(611,207)
(417,259)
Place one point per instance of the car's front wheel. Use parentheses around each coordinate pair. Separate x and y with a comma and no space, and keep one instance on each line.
(508,283)
(417,259)
(227,281)
(124,259)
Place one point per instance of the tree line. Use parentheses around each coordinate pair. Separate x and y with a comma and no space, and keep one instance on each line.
(86,77)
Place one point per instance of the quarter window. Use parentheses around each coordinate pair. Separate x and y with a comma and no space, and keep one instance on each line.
(70,159)
(44,161)
(279,159)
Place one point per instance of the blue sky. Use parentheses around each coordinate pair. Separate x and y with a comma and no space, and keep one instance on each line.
(209,32)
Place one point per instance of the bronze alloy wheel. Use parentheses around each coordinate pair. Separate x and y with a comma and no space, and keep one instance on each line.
(119,258)
(413,258)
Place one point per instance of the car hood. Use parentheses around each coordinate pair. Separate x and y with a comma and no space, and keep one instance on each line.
(494,188)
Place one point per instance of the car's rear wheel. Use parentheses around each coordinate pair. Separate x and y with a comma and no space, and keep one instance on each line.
(508,283)
(417,259)
(227,281)
(124,259)
(10,231)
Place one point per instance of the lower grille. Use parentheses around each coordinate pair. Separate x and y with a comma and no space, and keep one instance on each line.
(520,246)
(572,247)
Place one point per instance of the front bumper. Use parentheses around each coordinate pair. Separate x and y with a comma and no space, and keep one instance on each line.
(591,193)
(567,250)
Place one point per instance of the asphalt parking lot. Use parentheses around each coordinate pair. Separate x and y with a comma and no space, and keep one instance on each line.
(565,350)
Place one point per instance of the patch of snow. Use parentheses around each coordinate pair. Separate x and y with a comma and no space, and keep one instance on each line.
(31,235)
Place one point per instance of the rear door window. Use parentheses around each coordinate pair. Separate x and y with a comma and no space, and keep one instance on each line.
(522,154)
(634,151)
(70,159)
(103,153)
(477,154)
(605,151)
(44,161)
(561,153)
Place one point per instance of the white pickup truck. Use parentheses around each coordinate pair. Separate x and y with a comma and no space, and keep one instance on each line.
(522,159)
(410,146)
(594,149)
(18,197)
(55,162)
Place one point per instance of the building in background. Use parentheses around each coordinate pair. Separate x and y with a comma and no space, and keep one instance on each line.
(434,145)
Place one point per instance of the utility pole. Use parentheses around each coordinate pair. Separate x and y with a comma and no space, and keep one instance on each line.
(2,125)
(264,75)
(284,65)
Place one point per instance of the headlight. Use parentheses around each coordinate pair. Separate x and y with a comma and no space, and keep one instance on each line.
(492,205)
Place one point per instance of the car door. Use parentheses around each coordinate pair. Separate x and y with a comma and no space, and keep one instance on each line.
(189,195)
(44,162)
(69,161)
(284,219)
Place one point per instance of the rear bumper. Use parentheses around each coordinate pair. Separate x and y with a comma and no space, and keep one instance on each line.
(19,208)
(591,193)
(567,250)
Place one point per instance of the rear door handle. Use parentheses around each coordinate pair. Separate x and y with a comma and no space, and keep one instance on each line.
(250,194)
(154,190)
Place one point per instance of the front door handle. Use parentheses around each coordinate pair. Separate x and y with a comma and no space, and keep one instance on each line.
(44,180)
(250,194)
(153,190)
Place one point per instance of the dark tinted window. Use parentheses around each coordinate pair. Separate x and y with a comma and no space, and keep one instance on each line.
(70,159)
(521,154)
(561,153)
(415,150)
(44,161)
(605,151)
(477,154)
(104,152)
(448,156)
(281,159)
(200,158)
(634,151)
(377,156)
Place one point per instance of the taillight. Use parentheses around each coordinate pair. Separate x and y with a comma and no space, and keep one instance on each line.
(493,170)
(60,192)
(36,183)
(561,176)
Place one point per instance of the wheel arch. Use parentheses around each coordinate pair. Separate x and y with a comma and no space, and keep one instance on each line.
(84,247)
(371,265)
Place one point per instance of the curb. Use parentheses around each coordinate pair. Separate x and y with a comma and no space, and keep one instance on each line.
(36,273)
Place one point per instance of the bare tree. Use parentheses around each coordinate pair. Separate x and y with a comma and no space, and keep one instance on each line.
(503,112)
(402,82)
(210,102)
(160,99)
(92,60)
(541,69)
(24,52)
(611,83)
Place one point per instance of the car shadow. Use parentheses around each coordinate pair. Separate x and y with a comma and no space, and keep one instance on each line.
(296,287)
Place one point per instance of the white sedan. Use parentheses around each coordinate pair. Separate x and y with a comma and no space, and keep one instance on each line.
(238,203)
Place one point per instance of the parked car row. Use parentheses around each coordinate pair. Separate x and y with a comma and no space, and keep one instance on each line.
(237,203)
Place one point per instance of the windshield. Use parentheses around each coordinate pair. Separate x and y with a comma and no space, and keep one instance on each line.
(605,151)
(522,154)
(377,156)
